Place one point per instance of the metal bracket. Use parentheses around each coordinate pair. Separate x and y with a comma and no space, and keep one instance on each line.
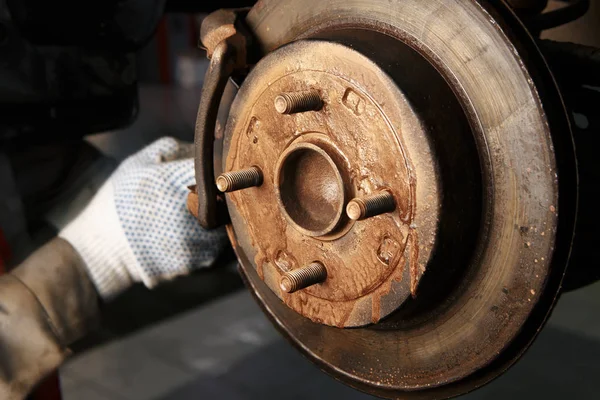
(226,47)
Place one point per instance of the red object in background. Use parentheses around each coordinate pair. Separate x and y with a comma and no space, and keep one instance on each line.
(5,253)
(193,32)
(48,389)
(162,40)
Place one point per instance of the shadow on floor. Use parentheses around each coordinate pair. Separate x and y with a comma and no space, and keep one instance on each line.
(559,365)
(140,307)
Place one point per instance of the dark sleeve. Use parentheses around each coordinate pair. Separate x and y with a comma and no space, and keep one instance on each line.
(46,303)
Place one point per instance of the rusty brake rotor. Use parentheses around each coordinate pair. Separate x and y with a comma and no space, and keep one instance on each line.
(404,169)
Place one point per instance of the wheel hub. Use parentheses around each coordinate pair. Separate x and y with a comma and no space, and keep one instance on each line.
(314,163)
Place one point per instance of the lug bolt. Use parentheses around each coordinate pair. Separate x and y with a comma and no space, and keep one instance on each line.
(302,278)
(297,102)
(238,180)
(367,207)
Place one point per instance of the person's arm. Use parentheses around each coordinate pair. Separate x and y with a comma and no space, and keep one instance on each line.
(136,229)
(46,303)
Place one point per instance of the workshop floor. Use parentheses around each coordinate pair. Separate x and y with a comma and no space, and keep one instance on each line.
(223,347)
(228,350)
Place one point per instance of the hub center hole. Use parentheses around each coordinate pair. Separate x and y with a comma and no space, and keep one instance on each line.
(311,189)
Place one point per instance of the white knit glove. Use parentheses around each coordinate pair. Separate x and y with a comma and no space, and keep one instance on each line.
(137,227)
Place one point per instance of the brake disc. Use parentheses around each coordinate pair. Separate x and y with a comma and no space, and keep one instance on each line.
(404,169)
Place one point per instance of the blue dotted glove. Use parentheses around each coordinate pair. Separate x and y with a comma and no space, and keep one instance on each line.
(137,228)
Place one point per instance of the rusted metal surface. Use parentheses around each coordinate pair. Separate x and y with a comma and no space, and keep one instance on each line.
(371,206)
(227,48)
(192,201)
(313,164)
(292,103)
(442,108)
(217,27)
(303,277)
(462,98)
(238,180)
(310,188)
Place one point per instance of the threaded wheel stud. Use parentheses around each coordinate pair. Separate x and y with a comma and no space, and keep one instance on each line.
(297,102)
(302,278)
(367,207)
(238,180)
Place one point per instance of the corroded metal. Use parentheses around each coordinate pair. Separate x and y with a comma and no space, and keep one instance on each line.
(482,263)
(293,103)
(371,206)
(310,188)
(371,272)
(313,164)
(238,180)
(226,47)
(304,277)
(192,201)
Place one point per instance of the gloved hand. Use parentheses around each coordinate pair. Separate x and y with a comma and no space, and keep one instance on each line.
(137,227)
